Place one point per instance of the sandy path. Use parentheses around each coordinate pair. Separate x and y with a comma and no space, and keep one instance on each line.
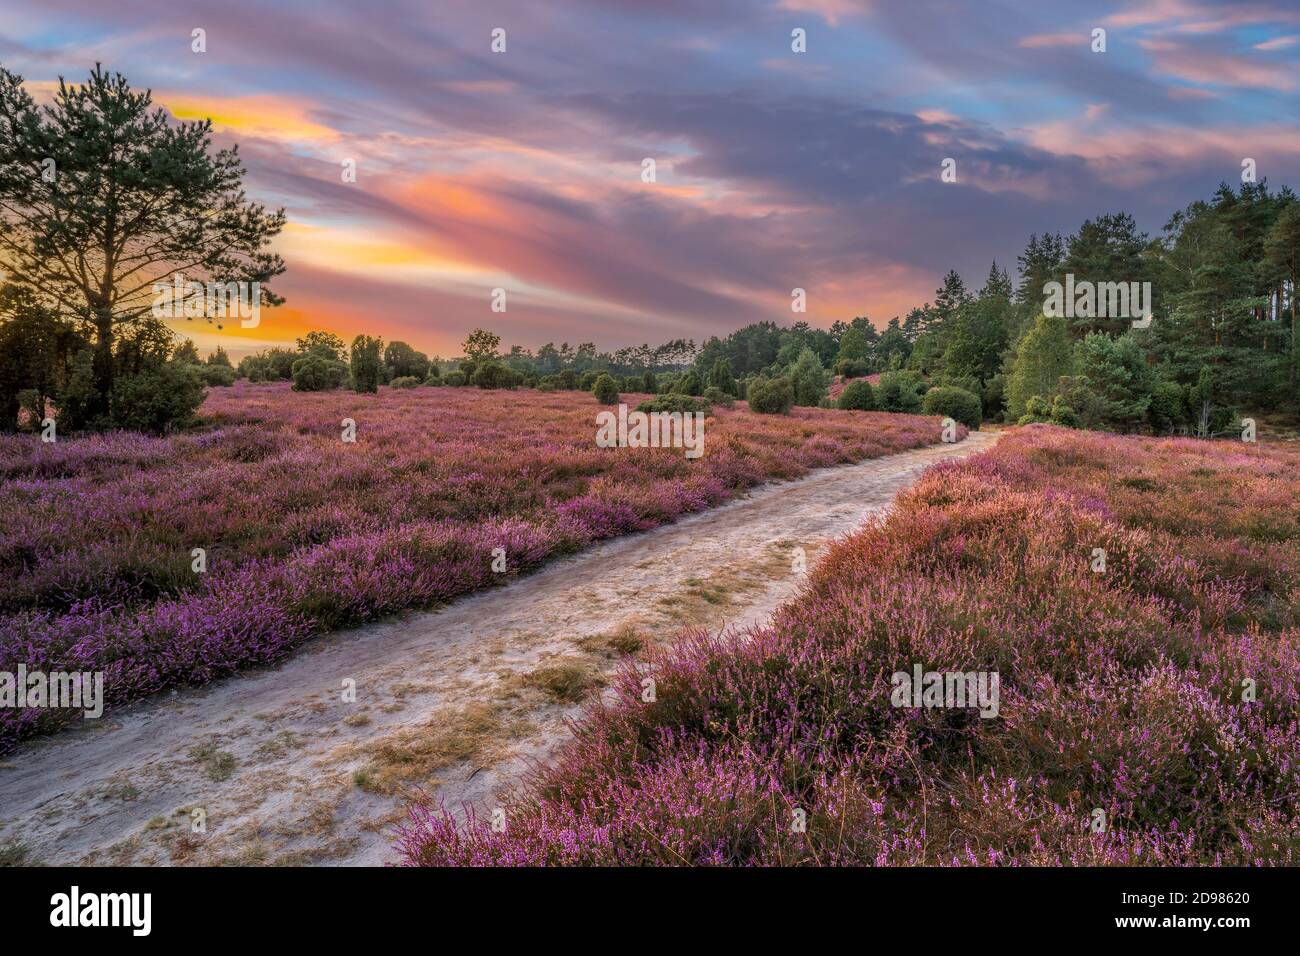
(282,769)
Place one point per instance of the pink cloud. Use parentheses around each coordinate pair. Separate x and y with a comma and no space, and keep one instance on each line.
(1199,65)
(1040,40)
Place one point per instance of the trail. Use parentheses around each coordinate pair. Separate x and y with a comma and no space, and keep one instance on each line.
(282,769)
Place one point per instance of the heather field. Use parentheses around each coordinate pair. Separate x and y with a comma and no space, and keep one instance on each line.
(304,533)
(1148,706)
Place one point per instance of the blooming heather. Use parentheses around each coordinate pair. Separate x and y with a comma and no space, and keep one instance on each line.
(1148,712)
(304,532)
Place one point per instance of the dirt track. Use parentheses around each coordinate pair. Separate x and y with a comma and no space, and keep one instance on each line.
(459,700)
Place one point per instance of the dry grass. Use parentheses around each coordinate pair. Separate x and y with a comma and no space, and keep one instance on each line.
(568,680)
(623,640)
(218,764)
(452,736)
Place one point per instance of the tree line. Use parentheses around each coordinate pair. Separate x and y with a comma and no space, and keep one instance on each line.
(102,198)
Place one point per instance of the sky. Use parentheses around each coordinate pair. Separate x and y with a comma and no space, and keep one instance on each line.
(523,170)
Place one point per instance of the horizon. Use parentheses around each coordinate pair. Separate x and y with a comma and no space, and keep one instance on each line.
(775,170)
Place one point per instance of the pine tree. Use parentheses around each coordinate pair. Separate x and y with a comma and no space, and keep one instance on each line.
(102,197)
(1281,249)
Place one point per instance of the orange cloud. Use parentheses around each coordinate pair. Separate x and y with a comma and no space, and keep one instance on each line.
(264,117)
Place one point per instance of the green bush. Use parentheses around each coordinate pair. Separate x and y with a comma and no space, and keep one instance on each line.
(674,402)
(588,380)
(718,396)
(901,391)
(157,399)
(216,374)
(955,403)
(1036,410)
(491,374)
(568,379)
(688,384)
(720,377)
(366,363)
(605,390)
(455,379)
(858,394)
(405,381)
(1168,408)
(1063,414)
(808,379)
(316,373)
(76,400)
(852,368)
(434,377)
(649,383)
(771,396)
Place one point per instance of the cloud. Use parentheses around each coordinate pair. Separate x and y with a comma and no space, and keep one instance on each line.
(821,171)
(1040,40)
(1199,64)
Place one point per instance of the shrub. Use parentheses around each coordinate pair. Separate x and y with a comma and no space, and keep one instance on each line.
(852,368)
(688,384)
(1063,414)
(673,402)
(605,390)
(402,361)
(568,379)
(1168,408)
(858,394)
(588,380)
(649,383)
(493,374)
(953,402)
(901,391)
(1036,410)
(315,373)
(77,398)
(771,396)
(434,377)
(273,365)
(405,381)
(456,379)
(717,396)
(366,363)
(720,377)
(216,374)
(808,379)
(157,399)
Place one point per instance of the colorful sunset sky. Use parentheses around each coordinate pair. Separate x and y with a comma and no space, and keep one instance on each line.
(775,169)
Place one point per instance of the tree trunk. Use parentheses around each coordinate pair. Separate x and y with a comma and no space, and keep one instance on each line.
(103,361)
(1295,344)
